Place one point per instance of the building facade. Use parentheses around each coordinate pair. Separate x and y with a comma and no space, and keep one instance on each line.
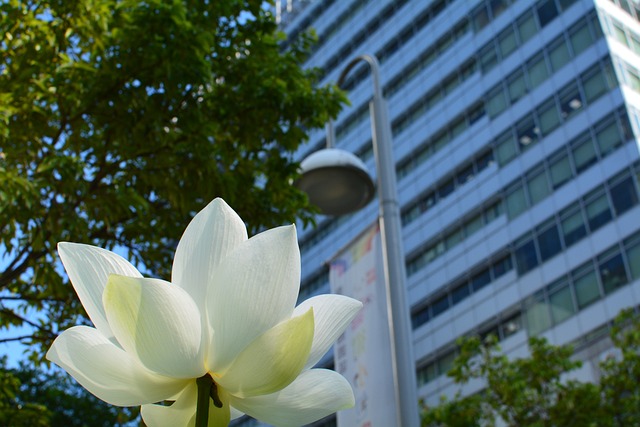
(515,127)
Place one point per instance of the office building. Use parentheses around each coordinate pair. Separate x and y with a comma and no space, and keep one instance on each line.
(515,133)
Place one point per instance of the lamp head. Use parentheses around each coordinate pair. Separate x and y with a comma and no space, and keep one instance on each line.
(336,181)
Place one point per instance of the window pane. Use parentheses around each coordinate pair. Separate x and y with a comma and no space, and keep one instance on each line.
(517,87)
(633,255)
(608,138)
(488,58)
(506,149)
(570,102)
(526,257)
(549,242)
(598,212)
(547,11)
(516,202)
(454,238)
(573,228)
(587,290)
(594,86)
(527,132)
(501,267)
(624,196)
(559,55)
(612,274)
(473,225)
(548,117)
(538,318)
(561,304)
(560,171)
(481,280)
(584,154)
(580,39)
(480,18)
(538,187)
(440,306)
(526,27)
(497,7)
(496,103)
(507,43)
(460,293)
(537,71)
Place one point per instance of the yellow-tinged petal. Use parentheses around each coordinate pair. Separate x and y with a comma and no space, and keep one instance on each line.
(272,361)
(210,236)
(255,288)
(107,371)
(332,315)
(315,394)
(158,322)
(183,411)
(89,268)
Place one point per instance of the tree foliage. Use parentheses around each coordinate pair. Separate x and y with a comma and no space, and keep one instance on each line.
(535,391)
(30,397)
(119,119)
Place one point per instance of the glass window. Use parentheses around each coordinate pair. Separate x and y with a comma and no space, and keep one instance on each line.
(549,242)
(612,274)
(446,189)
(586,285)
(420,318)
(488,58)
(454,238)
(633,255)
(473,225)
(501,267)
(537,316)
(526,26)
(560,171)
(559,55)
(516,202)
(511,326)
(570,101)
(564,4)
(624,196)
(480,17)
(527,132)
(537,70)
(506,148)
(427,374)
(594,86)
(465,175)
(538,186)
(440,305)
(458,127)
(497,7)
(460,293)
(619,33)
(484,161)
(548,117)
(507,42)
(598,212)
(608,138)
(584,153)
(547,11)
(440,140)
(516,86)
(481,280)
(526,257)
(445,363)
(492,212)
(496,102)
(580,38)
(573,228)
(561,303)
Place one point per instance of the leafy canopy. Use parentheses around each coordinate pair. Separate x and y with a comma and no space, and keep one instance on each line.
(119,119)
(534,391)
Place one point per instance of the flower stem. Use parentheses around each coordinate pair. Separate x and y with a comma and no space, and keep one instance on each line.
(204,384)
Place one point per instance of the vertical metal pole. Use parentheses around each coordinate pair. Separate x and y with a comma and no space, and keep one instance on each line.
(393,255)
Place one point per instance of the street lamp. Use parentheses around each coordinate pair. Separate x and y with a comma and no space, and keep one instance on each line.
(322,182)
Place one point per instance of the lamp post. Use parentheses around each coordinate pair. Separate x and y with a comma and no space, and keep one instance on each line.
(320,178)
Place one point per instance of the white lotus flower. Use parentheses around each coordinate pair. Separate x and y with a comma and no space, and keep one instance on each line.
(228,312)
